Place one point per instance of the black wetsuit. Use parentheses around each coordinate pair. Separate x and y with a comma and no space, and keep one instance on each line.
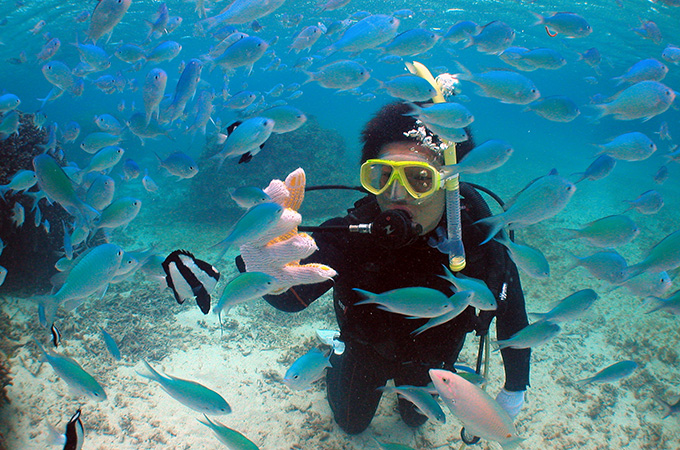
(379,344)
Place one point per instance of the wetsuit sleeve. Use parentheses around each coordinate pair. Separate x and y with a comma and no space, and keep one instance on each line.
(509,320)
(299,297)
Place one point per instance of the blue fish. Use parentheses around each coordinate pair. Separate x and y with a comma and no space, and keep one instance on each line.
(306,369)
(110,344)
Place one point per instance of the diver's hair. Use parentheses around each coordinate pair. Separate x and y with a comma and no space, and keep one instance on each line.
(389,125)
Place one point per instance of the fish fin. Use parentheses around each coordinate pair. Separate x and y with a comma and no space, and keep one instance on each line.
(540,20)
(667,409)
(246,157)
(573,262)
(366,294)
(538,316)
(153,374)
(655,302)
(202,299)
(584,382)
(222,247)
(73,303)
(464,74)
(233,126)
(495,224)
(54,437)
(600,111)
(421,329)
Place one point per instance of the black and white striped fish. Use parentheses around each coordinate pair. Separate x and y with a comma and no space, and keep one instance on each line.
(190,277)
(75,433)
(56,336)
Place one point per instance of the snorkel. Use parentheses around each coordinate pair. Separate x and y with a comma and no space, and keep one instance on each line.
(455,247)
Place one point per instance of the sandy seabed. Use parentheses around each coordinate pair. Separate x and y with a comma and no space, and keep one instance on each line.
(247,363)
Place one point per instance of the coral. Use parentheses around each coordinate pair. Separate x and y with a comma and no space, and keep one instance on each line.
(317,150)
(31,251)
(5,378)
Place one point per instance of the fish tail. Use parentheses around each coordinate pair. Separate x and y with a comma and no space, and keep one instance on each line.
(581,175)
(448,275)
(47,309)
(667,410)
(633,271)
(538,316)
(421,329)
(222,247)
(494,224)
(464,74)
(569,233)
(470,40)
(154,375)
(220,160)
(655,302)
(369,296)
(574,262)
(209,423)
(584,381)
(601,110)
(540,20)
(43,353)
(54,437)
(415,109)
(311,76)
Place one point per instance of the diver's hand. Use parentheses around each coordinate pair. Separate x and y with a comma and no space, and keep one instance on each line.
(511,401)
(278,252)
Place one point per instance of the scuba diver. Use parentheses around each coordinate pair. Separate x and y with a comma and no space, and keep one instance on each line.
(400,170)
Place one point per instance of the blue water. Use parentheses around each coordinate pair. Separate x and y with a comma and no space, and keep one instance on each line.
(174,218)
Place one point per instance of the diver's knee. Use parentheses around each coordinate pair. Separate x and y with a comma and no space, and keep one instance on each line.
(352,427)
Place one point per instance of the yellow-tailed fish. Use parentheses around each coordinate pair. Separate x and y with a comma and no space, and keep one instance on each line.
(422,398)
(482,298)
(231,438)
(75,376)
(257,221)
(92,273)
(58,187)
(306,370)
(245,287)
(119,213)
(190,393)
(409,301)
(531,336)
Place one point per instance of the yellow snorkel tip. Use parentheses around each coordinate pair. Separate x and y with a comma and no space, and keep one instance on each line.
(457,253)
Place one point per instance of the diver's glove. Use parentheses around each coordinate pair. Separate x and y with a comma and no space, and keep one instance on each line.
(279,251)
(511,401)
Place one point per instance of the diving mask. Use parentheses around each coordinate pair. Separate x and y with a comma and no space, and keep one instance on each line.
(420,179)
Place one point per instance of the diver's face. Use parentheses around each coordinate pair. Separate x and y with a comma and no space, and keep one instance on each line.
(425,211)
